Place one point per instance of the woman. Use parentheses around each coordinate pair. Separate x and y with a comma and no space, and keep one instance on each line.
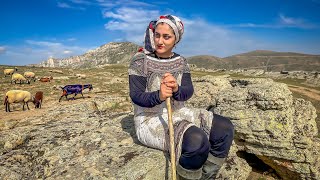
(202,141)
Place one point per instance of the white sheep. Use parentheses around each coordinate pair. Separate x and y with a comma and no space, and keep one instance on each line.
(9,71)
(30,75)
(18,77)
(17,96)
(81,76)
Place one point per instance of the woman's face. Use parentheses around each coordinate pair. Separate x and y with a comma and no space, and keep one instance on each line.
(164,39)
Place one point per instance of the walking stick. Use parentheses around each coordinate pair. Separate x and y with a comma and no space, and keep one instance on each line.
(171,136)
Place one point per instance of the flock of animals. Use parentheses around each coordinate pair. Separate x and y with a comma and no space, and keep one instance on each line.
(24,97)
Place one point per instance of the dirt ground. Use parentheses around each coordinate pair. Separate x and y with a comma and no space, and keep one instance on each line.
(311,93)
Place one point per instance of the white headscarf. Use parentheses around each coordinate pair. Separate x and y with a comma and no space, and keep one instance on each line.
(174,22)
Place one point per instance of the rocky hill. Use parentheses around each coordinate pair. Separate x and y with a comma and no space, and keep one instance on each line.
(260,59)
(121,52)
(111,53)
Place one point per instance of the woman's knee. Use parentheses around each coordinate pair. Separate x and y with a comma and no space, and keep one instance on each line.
(223,124)
(195,140)
(195,148)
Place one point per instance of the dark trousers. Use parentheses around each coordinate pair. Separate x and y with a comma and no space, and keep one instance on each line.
(196,146)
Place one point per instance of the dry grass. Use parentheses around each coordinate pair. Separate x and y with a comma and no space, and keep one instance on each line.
(103,81)
(100,78)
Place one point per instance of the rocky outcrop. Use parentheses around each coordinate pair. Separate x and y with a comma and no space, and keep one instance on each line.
(83,140)
(269,123)
(111,53)
(95,138)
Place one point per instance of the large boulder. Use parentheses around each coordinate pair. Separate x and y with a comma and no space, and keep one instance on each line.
(269,123)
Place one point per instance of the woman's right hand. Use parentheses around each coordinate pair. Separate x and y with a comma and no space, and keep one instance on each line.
(165,91)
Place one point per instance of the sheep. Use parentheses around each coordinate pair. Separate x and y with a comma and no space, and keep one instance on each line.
(17,96)
(9,71)
(74,89)
(18,77)
(30,75)
(46,79)
(81,76)
(38,98)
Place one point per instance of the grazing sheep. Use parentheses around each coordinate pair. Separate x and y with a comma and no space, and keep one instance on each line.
(30,75)
(74,89)
(17,96)
(81,76)
(38,98)
(9,71)
(18,77)
(46,79)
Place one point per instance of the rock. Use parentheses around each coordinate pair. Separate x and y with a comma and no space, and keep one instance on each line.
(278,129)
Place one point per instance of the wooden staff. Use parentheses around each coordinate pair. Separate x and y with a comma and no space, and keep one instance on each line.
(171,135)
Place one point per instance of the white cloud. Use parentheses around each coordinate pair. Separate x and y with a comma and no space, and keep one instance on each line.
(68,6)
(289,20)
(132,15)
(2,49)
(286,21)
(67,52)
(36,51)
(130,21)
(63,5)
(71,39)
(121,3)
(43,43)
(55,49)
(200,36)
(282,22)
(81,2)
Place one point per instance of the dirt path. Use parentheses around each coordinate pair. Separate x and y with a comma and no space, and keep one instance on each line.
(311,93)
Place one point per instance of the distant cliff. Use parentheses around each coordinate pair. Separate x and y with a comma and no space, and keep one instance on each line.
(111,53)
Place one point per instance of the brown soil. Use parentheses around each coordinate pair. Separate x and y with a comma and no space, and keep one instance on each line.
(311,93)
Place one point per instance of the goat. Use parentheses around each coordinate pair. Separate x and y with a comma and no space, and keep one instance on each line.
(38,98)
(46,79)
(74,89)
(17,96)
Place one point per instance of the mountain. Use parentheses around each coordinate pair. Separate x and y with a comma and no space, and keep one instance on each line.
(121,52)
(260,59)
(111,53)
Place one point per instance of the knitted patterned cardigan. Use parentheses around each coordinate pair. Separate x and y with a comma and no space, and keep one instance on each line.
(151,124)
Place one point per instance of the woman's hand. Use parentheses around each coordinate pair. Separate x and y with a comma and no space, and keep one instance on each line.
(168,86)
(170,81)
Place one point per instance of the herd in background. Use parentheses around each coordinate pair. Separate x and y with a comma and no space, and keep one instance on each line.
(27,77)
(24,97)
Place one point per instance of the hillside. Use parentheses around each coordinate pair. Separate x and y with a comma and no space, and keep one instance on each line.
(209,62)
(261,59)
(121,52)
(111,53)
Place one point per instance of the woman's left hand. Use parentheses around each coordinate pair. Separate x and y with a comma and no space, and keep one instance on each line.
(170,81)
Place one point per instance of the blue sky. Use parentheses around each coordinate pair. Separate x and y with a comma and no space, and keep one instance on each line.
(34,30)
